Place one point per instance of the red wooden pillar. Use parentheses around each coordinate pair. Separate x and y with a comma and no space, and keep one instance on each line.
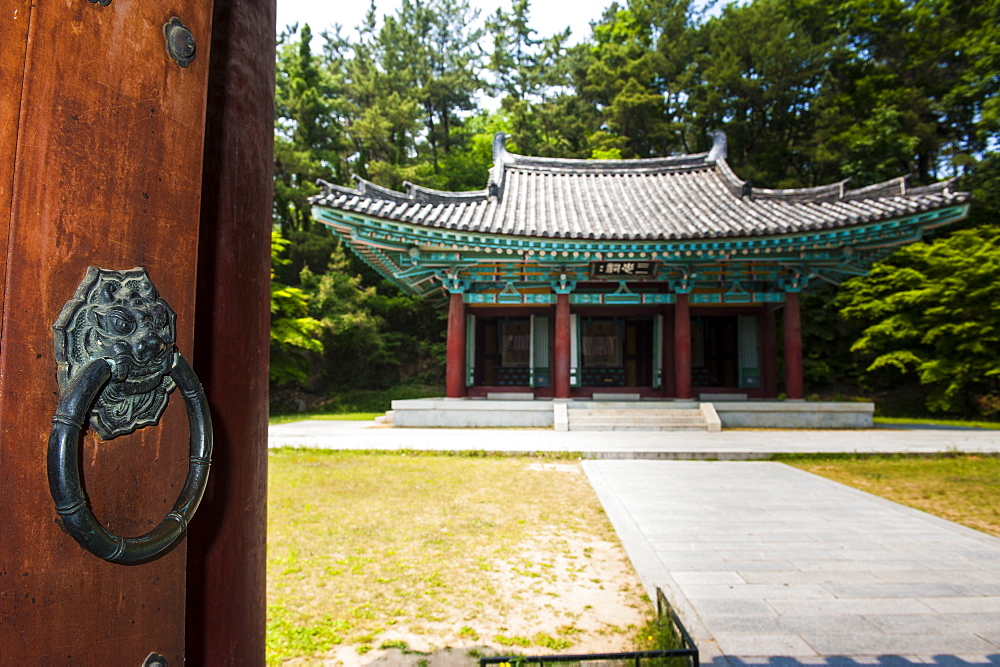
(227,550)
(682,347)
(561,362)
(793,347)
(455,369)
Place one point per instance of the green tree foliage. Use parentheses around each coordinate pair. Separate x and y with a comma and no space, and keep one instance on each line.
(634,76)
(829,366)
(756,73)
(974,94)
(293,331)
(933,309)
(373,337)
(409,82)
(383,108)
(532,75)
(308,137)
(883,108)
(448,68)
(360,105)
(808,91)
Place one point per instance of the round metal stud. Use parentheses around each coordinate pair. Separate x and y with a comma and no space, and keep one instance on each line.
(155,660)
(180,42)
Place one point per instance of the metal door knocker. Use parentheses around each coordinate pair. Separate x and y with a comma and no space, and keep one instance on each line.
(114,345)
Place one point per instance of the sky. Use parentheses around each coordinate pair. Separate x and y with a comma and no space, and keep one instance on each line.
(547,16)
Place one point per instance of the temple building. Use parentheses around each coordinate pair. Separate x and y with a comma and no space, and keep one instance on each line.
(656,278)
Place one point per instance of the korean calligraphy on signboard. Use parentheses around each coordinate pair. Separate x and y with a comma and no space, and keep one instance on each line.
(623,269)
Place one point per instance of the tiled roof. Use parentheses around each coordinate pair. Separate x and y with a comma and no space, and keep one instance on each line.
(683,197)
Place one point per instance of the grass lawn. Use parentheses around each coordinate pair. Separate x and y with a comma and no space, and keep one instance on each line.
(890,421)
(347,416)
(417,553)
(961,488)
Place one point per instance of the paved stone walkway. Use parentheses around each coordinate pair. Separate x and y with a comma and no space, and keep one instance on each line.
(733,445)
(767,564)
(764,561)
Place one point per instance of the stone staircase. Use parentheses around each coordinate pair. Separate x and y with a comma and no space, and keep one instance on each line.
(641,416)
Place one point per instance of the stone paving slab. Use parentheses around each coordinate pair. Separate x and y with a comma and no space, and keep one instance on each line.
(767,564)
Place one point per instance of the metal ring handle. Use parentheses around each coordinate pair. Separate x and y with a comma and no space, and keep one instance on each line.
(75,404)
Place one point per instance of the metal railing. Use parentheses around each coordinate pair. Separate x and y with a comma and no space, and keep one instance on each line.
(664,611)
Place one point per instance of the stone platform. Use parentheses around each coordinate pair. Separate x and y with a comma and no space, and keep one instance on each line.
(559,413)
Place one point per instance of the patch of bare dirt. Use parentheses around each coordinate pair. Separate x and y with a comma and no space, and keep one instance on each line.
(562,594)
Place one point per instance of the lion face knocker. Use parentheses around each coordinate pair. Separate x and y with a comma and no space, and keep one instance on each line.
(120,317)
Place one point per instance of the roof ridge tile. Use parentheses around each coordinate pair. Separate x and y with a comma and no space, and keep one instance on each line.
(679,197)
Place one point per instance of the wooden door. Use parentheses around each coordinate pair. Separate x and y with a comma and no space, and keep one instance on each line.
(102,137)
(638,352)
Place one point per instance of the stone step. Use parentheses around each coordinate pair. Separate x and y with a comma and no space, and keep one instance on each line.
(636,427)
(637,414)
(586,419)
(632,405)
(607,418)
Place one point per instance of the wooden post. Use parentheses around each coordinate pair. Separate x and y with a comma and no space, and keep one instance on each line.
(227,551)
(682,347)
(793,347)
(561,353)
(455,369)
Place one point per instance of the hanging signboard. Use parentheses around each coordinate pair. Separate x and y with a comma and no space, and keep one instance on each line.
(623,269)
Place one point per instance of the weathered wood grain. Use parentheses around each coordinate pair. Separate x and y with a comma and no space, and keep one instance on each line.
(108,174)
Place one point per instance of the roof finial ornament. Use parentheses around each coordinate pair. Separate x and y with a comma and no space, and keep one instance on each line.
(499,147)
(500,158)
(359,184)
(718,146)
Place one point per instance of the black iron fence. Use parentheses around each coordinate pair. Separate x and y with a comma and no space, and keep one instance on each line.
(683,655)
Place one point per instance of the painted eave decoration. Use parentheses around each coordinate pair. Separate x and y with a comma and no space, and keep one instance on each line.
(542,223)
